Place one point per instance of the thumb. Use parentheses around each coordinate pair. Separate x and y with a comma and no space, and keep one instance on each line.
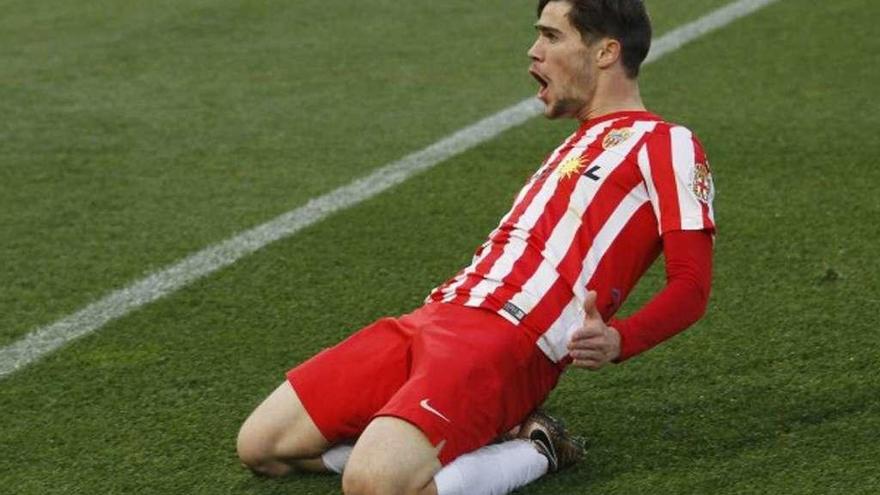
(590,305)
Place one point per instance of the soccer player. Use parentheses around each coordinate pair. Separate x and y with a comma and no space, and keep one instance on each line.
(421,397)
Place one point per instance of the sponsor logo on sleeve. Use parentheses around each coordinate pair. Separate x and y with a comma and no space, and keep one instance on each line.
(701,183)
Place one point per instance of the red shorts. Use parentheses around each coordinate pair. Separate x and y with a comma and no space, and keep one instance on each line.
(461,375)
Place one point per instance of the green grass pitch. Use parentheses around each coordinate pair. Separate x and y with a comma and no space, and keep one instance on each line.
(135,133)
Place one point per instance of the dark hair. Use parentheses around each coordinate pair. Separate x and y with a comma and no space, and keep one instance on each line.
(624,20)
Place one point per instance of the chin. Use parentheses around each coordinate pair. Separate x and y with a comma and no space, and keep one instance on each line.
(550,115)
(566,108)
(553,111)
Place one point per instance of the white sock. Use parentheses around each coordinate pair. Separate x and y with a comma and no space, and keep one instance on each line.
(495,469)
(336,457)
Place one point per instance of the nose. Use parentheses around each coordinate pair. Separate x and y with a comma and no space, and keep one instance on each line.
(534,51)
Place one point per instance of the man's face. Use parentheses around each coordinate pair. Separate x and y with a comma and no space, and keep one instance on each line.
(561,63)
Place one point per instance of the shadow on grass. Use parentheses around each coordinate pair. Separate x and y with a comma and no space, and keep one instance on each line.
(300,483)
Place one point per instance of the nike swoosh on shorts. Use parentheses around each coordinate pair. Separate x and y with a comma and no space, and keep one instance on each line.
(424,404)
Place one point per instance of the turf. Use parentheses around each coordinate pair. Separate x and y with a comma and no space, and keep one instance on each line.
(134,135)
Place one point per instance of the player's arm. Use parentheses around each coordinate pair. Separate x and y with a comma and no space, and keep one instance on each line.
(682,301)
(677,306)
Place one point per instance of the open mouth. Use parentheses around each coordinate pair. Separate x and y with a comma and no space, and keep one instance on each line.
(542,81)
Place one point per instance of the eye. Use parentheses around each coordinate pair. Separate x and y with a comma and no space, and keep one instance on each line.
(550,35)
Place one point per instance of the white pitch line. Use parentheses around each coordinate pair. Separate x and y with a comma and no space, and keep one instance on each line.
(119,303)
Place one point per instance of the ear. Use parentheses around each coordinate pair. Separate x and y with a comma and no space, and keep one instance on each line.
(608,53)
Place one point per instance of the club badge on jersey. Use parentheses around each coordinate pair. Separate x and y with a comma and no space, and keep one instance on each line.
(616,137)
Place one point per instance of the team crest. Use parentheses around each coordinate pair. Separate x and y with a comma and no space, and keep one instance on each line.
(702,184)
(616,137)
(571,166)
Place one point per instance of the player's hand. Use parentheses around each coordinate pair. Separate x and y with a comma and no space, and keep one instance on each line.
(595,344)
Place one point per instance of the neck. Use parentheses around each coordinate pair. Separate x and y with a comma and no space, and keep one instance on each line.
(615,93)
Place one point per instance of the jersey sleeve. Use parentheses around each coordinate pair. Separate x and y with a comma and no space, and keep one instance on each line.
(681,302)
(678,180)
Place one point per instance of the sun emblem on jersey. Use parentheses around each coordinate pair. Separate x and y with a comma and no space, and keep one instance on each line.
(616,137)
(702,185)
(571,166)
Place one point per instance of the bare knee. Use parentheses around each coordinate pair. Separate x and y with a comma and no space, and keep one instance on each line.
(392,457)
(277,433)
(360,480)
(356,483)
(357,480)
(257,451)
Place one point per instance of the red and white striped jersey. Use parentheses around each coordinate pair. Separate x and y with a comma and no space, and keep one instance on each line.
(590,218)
